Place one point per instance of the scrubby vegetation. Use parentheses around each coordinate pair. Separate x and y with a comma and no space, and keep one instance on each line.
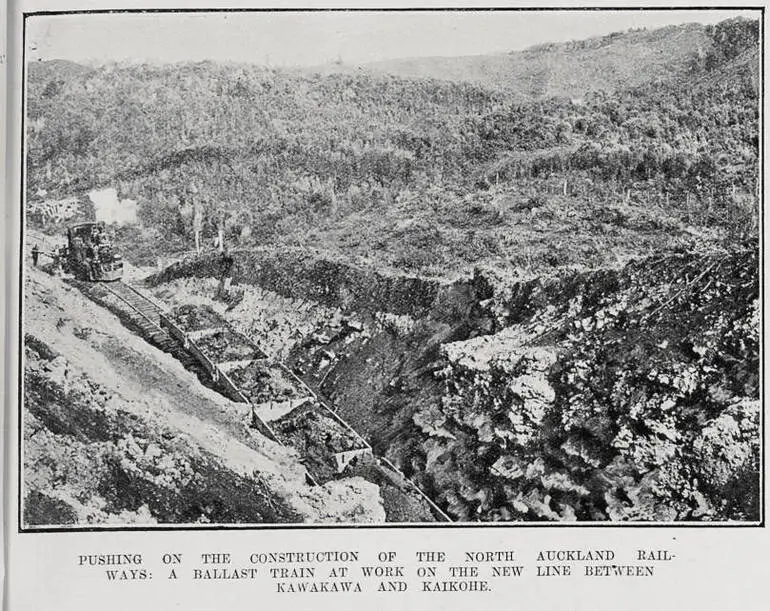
(540,302)
(419,175)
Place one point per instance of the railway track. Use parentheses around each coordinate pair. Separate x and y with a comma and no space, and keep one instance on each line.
(146,314)
(143,315)
(140,313)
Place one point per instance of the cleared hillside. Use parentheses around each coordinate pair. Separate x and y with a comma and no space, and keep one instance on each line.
(615,61)
(419,176)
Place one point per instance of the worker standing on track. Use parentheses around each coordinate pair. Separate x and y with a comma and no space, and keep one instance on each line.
(227,262)
(35,254)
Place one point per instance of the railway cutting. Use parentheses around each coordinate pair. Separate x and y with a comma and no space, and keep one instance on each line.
(278,403)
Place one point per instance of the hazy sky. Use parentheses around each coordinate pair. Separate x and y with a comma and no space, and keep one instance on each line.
(312,38)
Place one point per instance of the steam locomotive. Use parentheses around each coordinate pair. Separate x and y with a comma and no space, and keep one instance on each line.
(89,254)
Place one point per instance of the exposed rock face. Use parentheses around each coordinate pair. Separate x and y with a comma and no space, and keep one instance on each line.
(299,275)
(625,394)
(613,395)
(637,401)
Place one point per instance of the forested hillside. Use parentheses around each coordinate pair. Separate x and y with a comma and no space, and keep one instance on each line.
(421,175)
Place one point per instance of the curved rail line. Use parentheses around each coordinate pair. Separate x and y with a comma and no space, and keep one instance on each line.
(150,312)
(141,313)
(145,314)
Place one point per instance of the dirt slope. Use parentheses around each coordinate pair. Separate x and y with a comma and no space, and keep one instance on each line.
(117,431)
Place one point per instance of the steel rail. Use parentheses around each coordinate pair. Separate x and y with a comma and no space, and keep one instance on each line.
(134,307)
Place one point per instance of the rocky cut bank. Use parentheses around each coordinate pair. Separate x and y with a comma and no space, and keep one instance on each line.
(616,394)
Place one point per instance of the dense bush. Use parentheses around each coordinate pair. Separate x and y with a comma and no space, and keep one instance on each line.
(272,155)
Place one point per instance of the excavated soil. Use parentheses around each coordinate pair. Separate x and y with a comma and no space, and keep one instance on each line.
(116,431)
(261,382)
(618,394)
(317,436)
(223,345)
(191,318)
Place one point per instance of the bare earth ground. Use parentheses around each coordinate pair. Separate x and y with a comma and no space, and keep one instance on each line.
(149,428)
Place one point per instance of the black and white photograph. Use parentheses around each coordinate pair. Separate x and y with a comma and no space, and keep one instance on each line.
(390,267)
